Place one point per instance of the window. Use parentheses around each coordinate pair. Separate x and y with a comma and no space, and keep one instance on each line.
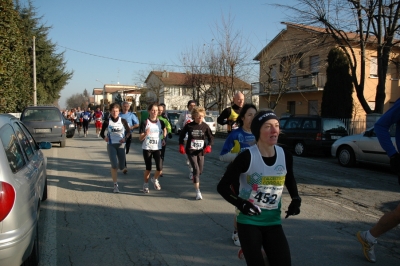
(314,64)
(313,107)
(23,140)
(291,107)
(11,147)
(373,67)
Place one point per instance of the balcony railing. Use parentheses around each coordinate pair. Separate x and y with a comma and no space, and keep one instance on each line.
(312,82)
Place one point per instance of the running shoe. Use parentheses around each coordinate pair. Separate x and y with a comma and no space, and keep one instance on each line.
(191,176)
(198,195)
(116,190)
(235,238)
(240,254)
(368,247)
(125,170)
(146,188)
(155,183)
(85,135)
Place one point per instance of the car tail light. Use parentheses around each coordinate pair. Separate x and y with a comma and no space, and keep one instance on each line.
(63,129)
(7,199)
(319,136)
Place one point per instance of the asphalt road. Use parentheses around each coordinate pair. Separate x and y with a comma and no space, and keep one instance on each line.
(84,223)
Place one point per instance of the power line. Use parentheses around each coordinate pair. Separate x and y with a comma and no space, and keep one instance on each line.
(133,62)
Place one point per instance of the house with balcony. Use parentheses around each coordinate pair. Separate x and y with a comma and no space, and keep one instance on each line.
(293,72)
(176,89)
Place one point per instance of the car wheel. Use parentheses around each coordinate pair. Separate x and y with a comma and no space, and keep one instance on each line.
(346,156)
(33,259)
(300,149)
(62,144)
(44,196)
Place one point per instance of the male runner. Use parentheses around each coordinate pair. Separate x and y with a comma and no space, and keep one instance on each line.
(133,122)
(229,115)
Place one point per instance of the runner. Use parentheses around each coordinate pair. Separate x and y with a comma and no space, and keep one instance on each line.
(79,120)
(152,132)
(117,133)
(98,120)
(236,142)
(229,115)
(86,116)
(389,220)
(168,127)
(196,147)
(133,123)
(184,118)
(261,171)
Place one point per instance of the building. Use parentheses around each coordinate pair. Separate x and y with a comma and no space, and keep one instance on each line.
(176,89)
(302,52)
(128,93)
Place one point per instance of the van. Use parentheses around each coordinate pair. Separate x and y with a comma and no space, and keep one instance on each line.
(304,134)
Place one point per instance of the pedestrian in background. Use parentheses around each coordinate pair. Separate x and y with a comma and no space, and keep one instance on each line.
(152,134)
(236,142)
(160,116)
(117,133)
(133,123)
(199,142)
(86,118)
(368,239)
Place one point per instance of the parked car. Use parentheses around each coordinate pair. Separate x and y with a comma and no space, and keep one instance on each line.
(70,128)
(310,133)
(209,120)
(46,123)
(362,147)
(173,116)
(23,184)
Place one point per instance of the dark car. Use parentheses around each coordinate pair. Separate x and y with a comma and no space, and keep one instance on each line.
(310,133)
(23,183)
(46,123)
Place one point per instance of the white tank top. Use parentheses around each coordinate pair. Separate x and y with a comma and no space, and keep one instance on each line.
(153,140)
(116,131)
(262,184)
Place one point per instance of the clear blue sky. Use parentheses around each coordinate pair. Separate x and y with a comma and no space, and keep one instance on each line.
(145,32)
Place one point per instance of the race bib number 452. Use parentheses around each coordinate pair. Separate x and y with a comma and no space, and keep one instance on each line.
(266,197)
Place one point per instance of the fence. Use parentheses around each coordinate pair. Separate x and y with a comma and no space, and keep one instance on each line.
(354,126)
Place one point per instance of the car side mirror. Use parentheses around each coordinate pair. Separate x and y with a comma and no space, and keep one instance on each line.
(45,145)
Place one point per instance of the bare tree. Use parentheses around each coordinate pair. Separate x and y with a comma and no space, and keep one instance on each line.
(356,25)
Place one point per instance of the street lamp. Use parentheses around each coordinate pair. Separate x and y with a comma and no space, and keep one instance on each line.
(104,100)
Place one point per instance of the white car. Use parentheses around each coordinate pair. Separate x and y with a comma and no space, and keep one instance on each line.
(362,147)
(209,120)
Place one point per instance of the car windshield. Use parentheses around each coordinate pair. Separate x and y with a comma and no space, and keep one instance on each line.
(173,116)
(208,119)
(333,125)
(41,115)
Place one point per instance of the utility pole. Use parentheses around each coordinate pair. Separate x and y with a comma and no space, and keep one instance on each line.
(34,73)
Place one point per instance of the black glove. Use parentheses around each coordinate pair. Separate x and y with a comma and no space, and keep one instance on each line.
(170,135)
(294,207)
(248,208)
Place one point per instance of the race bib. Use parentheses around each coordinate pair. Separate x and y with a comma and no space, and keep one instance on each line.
(86,117)
(196,144)
(266,197)
(152,142)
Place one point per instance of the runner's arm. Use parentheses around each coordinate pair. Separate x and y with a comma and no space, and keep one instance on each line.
(290,181)
(223,117)
(103,128)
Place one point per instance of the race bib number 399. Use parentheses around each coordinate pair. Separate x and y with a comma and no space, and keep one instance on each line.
(266,197)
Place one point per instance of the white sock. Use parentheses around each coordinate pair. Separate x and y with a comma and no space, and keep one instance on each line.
(370,238)
(115,184)
(198,190)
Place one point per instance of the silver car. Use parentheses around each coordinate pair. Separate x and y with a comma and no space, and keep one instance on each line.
(209,120)
(23,185)
(362,147)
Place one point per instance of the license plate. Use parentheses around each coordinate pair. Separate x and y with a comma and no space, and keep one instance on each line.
(42,130)
(335,137)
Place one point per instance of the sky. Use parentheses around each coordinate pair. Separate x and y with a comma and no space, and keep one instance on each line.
(111,42)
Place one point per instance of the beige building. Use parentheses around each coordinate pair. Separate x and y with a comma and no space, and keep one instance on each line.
(109,92)
(306,49)
(176,89)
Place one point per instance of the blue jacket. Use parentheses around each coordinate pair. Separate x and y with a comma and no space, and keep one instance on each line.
(392,116)
(130,118)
